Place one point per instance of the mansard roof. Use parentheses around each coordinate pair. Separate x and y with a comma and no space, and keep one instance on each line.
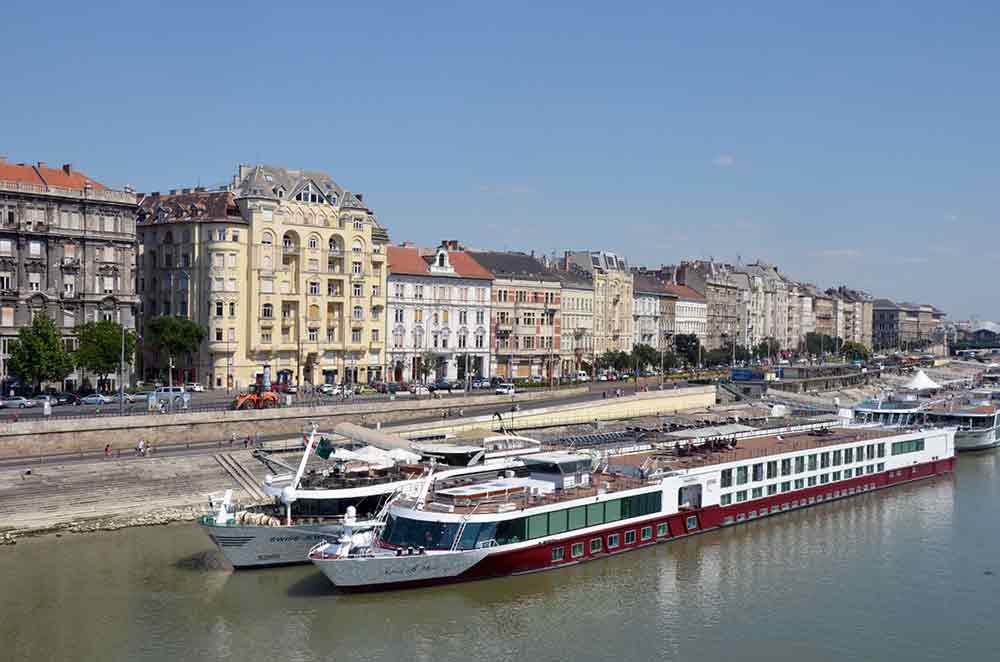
(514,265)
(189,205)
(408,261)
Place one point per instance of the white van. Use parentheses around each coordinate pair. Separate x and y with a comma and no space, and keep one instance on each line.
(172,396)
(582,376)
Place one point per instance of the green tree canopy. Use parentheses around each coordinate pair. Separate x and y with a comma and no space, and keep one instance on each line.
(174,336)
(768,347)
(687,345)
(646,356)
(38,355)
(820,343)
(428,361)
(855,351)
(99,350)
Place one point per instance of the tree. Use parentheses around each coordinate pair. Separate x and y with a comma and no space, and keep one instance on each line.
(173,336)
(645,356)
(38,355)
(820,343)
(855,351)
(687,345)
(100,347)
(768,347)
(428,360)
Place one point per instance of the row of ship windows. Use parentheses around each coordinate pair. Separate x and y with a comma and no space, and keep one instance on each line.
(613,540)
(798,484)
(799,503)
(767,470)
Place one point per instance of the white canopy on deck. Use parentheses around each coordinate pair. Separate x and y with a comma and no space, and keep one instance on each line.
(921,382)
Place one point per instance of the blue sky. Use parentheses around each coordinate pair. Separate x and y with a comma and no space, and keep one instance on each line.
(849,143)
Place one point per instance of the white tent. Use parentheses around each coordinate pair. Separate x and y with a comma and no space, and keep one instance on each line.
(921,382)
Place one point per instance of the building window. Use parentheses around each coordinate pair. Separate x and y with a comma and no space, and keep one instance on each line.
(357,289)
(358,313)
(356,268)
(232,309)
(265,337)
(35,282)
(355,336)
(313,335)
(314,287)
(267,311)
(218,334)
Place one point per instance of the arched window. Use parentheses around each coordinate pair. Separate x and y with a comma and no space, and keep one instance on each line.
(357,246)
(267,311)
(334,245)
(313,241)
(267,262)
(359,313)
(286,241)
(441,258)
(268,239)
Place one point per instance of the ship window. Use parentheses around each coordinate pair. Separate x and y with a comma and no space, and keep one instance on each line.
(824,460)
(613,510)
(758,471)
(741,475)
(772,469)
(595,545)
(912,446)
(557,521)
(741,517)
(630,537)
(772,489)
(848,455)
(613,540)
(741,496)
(812,462)
(510,531)
(880,450)
(727,478)
(726,499)
(881,467)
(538,526)
(577,550)
(859,454)
(775,509)
(595,514)
(836,458)
(403,532)
(646,533)
(786,467)
(824,479)
(836,476)
(577,517)
(728,520)
(800,464)
(800,483)
(661,530)
(811,481)
(692,522)
(786,486)
(847,473)
(870,469)
(557,553)
(870,451)
(757,493)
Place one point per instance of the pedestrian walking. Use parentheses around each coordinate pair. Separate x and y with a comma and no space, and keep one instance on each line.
(246,442)
(107,450)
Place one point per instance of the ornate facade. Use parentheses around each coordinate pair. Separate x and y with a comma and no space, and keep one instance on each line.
(67,248)
(292,278)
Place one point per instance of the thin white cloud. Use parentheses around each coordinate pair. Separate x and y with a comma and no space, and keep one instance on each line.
(844,253)
(506,188)
(913,260)
(724,160)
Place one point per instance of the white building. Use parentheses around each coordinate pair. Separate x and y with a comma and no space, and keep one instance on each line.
(439,311)
(690,311)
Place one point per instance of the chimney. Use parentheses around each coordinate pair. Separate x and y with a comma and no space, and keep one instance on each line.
(154,194)
(68,168)
(360,197)
(173,191)
(185,190)
(3,159)
(200,189)
(41,164)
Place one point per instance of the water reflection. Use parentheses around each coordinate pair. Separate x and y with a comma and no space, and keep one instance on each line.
(890,575)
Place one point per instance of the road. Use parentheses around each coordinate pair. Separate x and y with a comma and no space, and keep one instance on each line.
(220,400)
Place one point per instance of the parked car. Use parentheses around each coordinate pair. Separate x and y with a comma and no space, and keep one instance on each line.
(18,402)
(479,383)
(140,396)
(506,388)
(95,399)
(177,395)
(49,398)
(327,389)
(419,389)
(537,379)
(195,387)
(440,385)
(67,398)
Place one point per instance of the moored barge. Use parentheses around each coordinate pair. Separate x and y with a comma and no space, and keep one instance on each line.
(570,508)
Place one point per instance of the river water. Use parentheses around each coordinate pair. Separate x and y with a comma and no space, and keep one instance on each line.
(911,573)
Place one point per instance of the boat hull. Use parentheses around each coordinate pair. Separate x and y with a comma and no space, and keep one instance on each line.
(263,546)
(976,440)
(387,573)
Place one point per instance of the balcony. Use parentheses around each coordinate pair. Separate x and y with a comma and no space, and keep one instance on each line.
(70,263)
(335,252)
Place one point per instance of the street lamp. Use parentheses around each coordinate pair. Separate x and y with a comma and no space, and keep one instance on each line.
(667,338)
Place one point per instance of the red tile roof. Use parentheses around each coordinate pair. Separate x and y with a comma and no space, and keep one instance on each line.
(465,265)
(406,261)
(42,175)
(683,292)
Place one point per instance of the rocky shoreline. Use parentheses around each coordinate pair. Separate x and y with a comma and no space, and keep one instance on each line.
(156,517)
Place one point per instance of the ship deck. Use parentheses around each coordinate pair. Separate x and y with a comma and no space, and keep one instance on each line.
(609,482)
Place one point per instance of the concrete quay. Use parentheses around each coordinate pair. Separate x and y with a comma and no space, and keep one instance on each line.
(102,494)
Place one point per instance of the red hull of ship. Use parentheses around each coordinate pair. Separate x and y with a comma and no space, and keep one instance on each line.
(539,557)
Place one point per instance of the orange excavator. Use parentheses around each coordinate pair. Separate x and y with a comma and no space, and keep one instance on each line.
(256,398)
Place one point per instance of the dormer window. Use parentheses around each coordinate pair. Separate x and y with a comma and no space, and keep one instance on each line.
(307,194)
(280,192)
(442,259)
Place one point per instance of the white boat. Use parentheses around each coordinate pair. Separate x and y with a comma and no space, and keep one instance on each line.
(976,416)
(309,507)
(567,511)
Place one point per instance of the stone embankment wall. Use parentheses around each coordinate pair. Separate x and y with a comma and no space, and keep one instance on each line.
(40,436)
(33,437)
